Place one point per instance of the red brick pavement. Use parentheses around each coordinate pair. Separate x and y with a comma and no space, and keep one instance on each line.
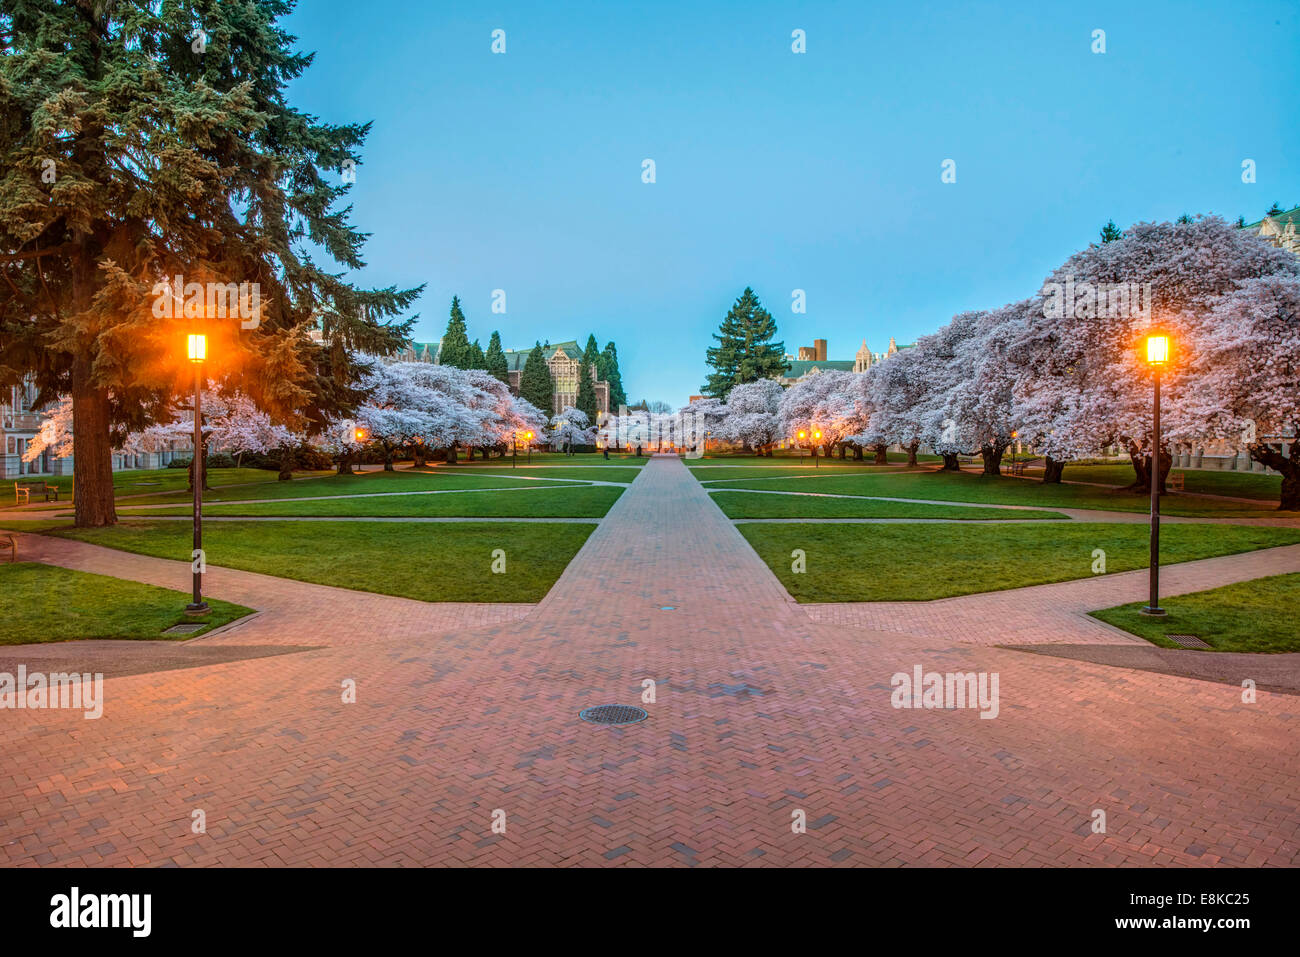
(759,711)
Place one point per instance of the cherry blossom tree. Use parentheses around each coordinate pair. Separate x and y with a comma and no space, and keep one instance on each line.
(752,415)
(570,427)
(1246,364)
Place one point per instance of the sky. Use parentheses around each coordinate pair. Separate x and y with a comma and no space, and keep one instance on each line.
(522,171)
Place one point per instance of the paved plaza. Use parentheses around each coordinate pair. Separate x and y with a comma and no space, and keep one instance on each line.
(762,708)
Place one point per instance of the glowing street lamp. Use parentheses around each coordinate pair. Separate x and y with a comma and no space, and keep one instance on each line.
(817,437)
(1156,349)
(197,350)
(802,436)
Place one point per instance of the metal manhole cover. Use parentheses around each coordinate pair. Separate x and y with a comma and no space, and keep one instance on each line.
(612,714)
(184,629)
(1187,641)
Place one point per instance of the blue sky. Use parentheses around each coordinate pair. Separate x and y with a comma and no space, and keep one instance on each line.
(817,171)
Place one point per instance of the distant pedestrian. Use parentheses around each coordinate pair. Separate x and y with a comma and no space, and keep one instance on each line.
(607,453)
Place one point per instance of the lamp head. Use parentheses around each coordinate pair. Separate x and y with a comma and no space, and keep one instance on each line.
(1156,351)
(197,347)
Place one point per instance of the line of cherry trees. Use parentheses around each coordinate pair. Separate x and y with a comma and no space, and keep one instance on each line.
(1061,371)
(412,408)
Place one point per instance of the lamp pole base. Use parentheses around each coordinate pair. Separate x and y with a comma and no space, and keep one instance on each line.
(200,609)
(1152,612)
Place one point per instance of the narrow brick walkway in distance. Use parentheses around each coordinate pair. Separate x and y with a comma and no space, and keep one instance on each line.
(759,714)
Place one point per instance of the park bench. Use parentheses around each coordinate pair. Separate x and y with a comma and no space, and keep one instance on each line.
(1017,468)
(23,491)
(1174,482)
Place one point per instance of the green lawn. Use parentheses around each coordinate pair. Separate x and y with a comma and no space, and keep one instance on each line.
(541,501)
(567,473)
(147,481)
(923,562)
(752,505)
(971,487)
(582,459)
(1257,485)
(364,483)
(45,603)
(428,562)
(1256,615)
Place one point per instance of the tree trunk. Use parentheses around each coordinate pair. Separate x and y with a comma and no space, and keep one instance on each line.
(92,463)
(286,464)
(844,450)
(1052,470)
(950,463)
(992,456)
(451,454)
(420,455)
(882,455)
(345,464)
(1141,460)
(857,453)
(911,453)
(1288,465)
(388,460)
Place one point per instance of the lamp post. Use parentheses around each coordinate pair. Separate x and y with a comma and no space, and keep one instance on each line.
(528,437)
(1157,356)
(802,435)
(817,437)
(198,354)
(360,435)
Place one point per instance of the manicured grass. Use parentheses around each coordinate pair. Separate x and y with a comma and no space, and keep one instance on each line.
(744,464)
(45,603)
(565,473)
(735,476)
(754,505)
(971,487)
(364,483)
(427,562)
(583,459)
(543,501)
(133,482)
(923,562)
(1257,485)
(1256,615)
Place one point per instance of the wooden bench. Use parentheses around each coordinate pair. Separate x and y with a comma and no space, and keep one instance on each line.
(23,491)
(1017,468)
(1174,482)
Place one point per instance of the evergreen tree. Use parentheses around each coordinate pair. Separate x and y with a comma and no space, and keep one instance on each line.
(607,370)
(745,351)
(495,358)
(586,401)
(474,357)
(127,159)
(455,341)
(1274,210)
(1110,232)
(1184,219)
(591,354)
(535,382)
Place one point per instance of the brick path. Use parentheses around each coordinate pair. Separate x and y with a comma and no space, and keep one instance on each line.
(760,711)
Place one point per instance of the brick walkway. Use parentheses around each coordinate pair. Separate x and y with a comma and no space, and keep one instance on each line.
(760,711)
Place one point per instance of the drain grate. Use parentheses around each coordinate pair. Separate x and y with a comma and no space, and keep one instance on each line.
(612,714)
(185,629)
(1187,641)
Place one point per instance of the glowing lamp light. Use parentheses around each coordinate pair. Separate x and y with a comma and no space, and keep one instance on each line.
(1157,349)
(817,435)
(528,435)
(198,348)
(360,435)
(802,433)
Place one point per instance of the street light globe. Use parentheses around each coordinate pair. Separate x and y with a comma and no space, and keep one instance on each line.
(1157,349)
(198,348)
(360,434)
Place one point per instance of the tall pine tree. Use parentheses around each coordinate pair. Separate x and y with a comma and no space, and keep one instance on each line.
(535,382)
(586,400)
(745,351)
(455,341)
(474,357)
(496,358)
(129,158)
(607,369)
(1110,232)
